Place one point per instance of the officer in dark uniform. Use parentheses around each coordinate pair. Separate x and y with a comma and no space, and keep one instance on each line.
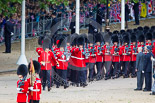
(136,11)
(55,24)
(8,30)
(99,17)
(140,69)
(148,68)
(92,24)
(72,25)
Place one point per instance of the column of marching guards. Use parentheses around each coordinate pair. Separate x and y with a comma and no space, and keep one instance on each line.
(77,58)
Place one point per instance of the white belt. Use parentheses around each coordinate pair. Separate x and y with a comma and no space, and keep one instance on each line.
(36,90)
(77,57)
(61,60)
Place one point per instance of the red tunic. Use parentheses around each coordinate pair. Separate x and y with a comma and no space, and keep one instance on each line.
(116,58)
(92,58)
(72,60)
(133,56)
(47,58)
(39,50)
(99,58)
(107,57)
(36,90)
(61,58)
(22,96)
(80,58)
(125,57)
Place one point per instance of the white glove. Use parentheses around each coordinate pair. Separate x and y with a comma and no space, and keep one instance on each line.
(12,33)
(143,71)
(43,63)
(103,20)
(74,27)
(31,88)
(95,30)
(18,89)
(67,59)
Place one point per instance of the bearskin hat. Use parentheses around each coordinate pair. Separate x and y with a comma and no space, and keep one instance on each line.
(138,33)
(135,30)
(91,38)
(80,40)
(126,39)
(37,66)
(114,38)
(146,28)
(141,38)
(40,40)
(62,42)
(129,31)
(46,43)
(116,32)
(68,38)
(99,37)
(133,37)
(148,36)
(85,37)
(73,40)
(122,31)
(106,37)
(153,27)
(140,28)
(22,70)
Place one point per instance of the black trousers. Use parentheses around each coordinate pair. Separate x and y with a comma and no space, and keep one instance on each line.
(91,70)
(62,77)
(53,74)
(116,69)
(125,67)
(132,67)
(99,68)
(148,80)
(34,101)
(46,76)
(136,13)
(140,79)
(108,68)
(82,76)
(8,44)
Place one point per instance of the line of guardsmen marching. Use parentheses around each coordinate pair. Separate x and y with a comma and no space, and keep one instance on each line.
(67,57)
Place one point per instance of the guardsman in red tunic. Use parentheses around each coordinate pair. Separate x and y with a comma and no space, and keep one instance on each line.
(126,53)
(81,64)
(46,57)
(22,84)
(134,52)
(72,61)
(92,58)
(99,55)
(107,53)
(116,56)
(35,89)
(62,60)
(141,41)
(148,39)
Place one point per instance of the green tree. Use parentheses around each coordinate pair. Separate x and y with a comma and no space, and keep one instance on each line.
(7,7)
